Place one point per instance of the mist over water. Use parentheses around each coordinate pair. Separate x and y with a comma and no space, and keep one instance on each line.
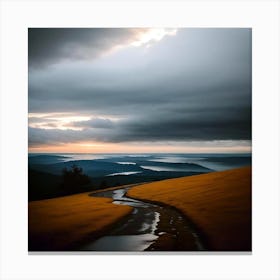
(110,170)
(153,162)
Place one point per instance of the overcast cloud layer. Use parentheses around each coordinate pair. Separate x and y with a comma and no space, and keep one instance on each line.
(192,86)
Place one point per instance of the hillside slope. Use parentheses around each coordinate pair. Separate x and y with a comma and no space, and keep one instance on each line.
(219,203)
(58,223)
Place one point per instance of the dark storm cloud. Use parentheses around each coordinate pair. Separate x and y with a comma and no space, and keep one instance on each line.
(39,136)
(193,86)
(203,126)
(196,126)
(52,45)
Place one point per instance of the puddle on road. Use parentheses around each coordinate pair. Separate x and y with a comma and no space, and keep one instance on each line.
(135,234)
(138,242)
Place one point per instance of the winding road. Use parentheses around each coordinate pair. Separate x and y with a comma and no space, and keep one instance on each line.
(149,227)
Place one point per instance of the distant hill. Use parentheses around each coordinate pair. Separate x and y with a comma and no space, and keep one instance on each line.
(98,168)
(43,185)
(45,159)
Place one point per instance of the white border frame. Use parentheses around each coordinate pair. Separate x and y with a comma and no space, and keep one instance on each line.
(17,16)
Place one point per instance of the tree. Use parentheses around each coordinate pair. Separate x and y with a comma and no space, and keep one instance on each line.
(74,179)
(103,184)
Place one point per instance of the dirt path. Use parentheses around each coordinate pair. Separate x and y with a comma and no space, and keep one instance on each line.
(149,227)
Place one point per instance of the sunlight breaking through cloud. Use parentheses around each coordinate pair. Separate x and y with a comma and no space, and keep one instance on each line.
(153,35)
(119,86)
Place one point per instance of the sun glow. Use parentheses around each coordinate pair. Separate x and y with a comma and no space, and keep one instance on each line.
(65,121)
(135,147)
(153,35)
(90,145)
(61,121)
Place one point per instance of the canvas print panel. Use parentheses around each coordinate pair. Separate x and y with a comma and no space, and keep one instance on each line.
(139,139)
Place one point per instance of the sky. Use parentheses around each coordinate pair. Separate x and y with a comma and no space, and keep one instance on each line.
(118,90)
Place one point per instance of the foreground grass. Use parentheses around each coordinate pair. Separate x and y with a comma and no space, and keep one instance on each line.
(219,203)
(59,223)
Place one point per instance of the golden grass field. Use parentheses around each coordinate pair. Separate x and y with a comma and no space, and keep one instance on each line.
(219,203)
(56,223)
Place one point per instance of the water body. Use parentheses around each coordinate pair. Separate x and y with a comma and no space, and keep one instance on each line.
(141,228)
(160,168)
(125,173)
(215,162)
(173,159)
(125,162)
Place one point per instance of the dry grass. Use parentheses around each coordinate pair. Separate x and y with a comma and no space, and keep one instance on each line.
(56,224)
(219,203)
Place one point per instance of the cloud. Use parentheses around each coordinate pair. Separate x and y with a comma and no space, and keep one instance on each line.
(198,126)
(52,45)
(195,86)
(95,123)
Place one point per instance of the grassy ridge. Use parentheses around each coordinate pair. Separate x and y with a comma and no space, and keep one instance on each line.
(56,224)
(219,203)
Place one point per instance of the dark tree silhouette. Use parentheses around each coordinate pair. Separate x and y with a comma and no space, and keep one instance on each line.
(74,179)
(103,184)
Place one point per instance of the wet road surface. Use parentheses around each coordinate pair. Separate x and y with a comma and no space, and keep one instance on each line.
(147,227)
